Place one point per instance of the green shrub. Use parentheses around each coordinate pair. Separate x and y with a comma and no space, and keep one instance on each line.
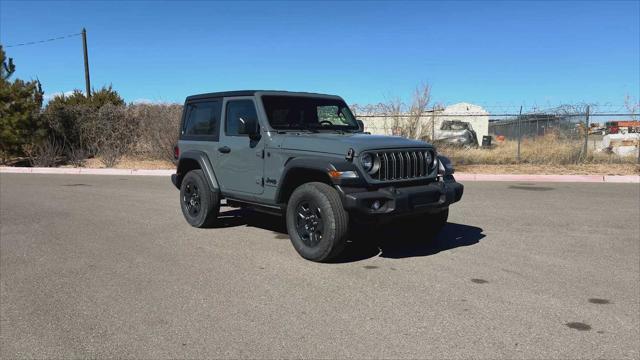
(20,104)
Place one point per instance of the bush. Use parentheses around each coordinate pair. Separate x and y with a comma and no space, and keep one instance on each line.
(158,129)
(45,153)
(114,132)
(20,104)
(71,120)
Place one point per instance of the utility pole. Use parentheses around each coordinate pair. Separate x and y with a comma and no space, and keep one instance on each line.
(586,134)
(519,131)
(86,62)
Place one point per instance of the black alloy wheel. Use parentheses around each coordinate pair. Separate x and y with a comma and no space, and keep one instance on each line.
(309,223)
(200,205)
(191,198)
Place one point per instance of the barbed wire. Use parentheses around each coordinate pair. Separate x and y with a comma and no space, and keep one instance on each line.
(44,41)
(429,115)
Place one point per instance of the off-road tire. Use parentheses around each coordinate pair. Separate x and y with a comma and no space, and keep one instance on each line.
(208,201)
(334,221)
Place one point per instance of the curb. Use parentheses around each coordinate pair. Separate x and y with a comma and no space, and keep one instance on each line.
(633,179)
(85,171)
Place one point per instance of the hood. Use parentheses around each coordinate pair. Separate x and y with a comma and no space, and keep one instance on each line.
(341,143)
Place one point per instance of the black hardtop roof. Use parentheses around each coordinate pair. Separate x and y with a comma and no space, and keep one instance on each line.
(252,93)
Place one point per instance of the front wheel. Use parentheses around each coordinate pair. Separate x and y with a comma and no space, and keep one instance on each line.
(316,221)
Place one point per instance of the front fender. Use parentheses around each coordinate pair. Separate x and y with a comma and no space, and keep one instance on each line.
(322,165)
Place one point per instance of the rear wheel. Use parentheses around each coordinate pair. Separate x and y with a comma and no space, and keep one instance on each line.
(316,221)
(200,206)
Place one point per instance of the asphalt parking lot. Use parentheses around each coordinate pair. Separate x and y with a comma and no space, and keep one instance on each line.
(97,266)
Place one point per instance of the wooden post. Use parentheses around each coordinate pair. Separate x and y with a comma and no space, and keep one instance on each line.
(86,62)
(586,134)
(433,124)
(519,132)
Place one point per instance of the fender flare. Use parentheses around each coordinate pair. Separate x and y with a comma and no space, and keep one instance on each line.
(205,165)
(445,166)
(321,165)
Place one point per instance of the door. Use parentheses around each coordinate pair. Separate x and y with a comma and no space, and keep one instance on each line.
(240,159)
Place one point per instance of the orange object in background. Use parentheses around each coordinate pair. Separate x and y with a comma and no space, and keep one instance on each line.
(625,126)
(628,123)
(500,138)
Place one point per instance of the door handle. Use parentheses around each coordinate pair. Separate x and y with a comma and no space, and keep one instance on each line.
(224,149)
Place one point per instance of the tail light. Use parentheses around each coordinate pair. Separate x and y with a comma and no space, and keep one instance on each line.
(176,152)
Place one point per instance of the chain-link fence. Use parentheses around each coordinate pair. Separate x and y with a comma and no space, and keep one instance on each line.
(558,136)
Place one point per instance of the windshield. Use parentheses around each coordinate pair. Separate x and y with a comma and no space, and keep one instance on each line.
(298,112)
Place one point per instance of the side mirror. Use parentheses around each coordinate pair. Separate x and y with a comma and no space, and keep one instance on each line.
(248,126)
(360,124)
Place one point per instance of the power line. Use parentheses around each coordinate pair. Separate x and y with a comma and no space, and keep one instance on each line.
(44,41)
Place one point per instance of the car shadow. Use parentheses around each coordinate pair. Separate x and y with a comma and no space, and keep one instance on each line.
(389,241)
(392,242)
(243,217)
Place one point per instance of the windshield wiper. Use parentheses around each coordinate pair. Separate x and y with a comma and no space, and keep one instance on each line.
(310,129)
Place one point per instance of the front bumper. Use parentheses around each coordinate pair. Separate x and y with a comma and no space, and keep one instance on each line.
(404,200)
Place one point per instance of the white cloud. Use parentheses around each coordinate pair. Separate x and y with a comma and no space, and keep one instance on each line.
(51,96)
(151,102)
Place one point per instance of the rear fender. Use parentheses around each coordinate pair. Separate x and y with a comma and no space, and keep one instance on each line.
(187,162)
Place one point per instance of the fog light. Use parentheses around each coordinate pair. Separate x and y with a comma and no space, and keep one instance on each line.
(376,205)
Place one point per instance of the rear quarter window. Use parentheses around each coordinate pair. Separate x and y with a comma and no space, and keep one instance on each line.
(202,120)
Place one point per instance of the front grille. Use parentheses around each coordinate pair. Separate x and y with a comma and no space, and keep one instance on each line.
(402,164)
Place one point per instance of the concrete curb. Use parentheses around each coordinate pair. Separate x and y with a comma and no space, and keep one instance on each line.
(634,179)
(85,171)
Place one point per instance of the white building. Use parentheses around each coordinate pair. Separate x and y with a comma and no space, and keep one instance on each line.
(475,115)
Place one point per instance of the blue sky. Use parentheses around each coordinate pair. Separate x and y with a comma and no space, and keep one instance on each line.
(497,54)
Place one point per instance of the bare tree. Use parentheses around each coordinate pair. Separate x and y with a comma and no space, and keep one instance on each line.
(407,121)
(419,106)
(393,112)
(632,106)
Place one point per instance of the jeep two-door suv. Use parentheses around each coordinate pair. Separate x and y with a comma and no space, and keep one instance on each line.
(304,156)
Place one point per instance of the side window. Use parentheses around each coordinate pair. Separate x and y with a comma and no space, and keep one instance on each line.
(203,120)
(239,111)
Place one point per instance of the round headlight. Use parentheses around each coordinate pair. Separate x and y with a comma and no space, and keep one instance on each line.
(370,163)
(428,158)
(367,162)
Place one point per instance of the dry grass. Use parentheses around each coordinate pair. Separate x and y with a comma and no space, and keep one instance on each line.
(548,150)
(133,163)
(531,169)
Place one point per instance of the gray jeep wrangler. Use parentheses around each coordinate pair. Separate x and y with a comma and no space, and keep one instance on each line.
(306,157)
